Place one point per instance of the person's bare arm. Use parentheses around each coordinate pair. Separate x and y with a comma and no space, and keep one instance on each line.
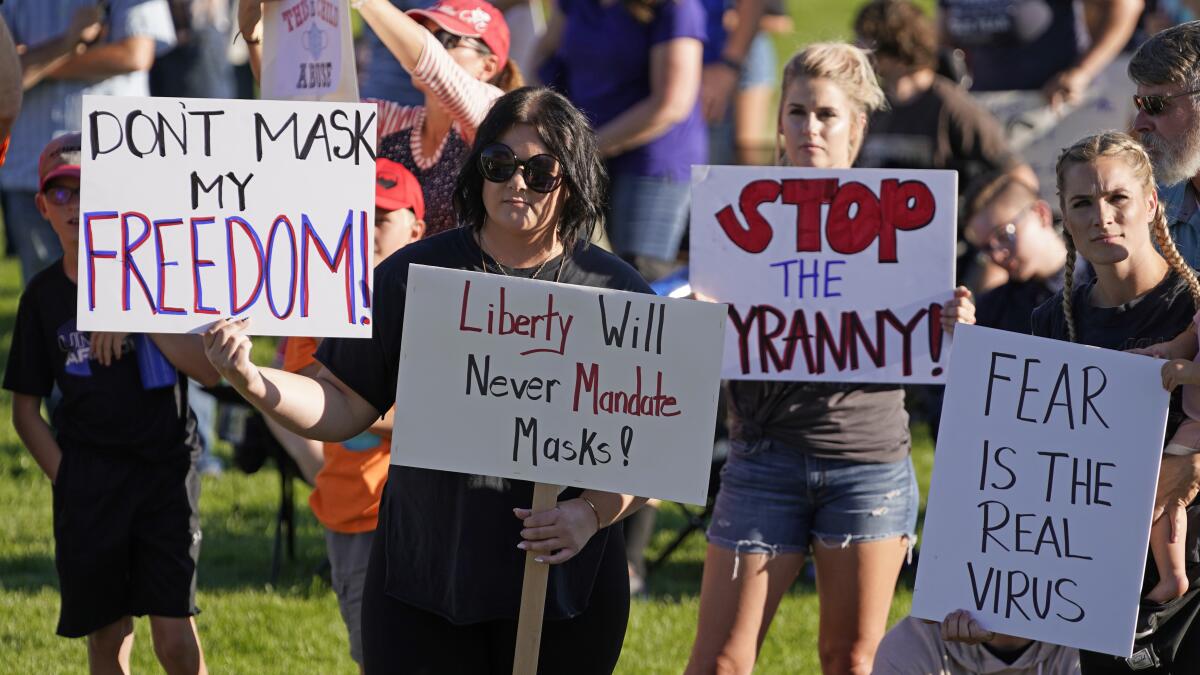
(40,61)
(548,43)
(99,62)
(186,352)
(720,79)
(35,433)
(1114,21)
(674,85)
(10,81)
(322,408)
(403,36)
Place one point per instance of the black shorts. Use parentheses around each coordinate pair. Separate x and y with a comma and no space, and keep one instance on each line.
(127,537)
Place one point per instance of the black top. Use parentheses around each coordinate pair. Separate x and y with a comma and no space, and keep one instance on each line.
(1158,316)
(833,420)
(1013,44)
(103,408)
(940,128)
(451,538)
(1010,306)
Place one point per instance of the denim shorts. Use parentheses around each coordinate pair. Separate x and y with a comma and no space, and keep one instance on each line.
(776,499)
(648,216)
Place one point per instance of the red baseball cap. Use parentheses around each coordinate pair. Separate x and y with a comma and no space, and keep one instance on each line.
(473,19)
(396,188)
(60,157)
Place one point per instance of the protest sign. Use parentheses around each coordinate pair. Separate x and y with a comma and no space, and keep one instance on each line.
(558,384)
(196,209)
(1038,517)
(831,275)
(1039,133)
(308,51)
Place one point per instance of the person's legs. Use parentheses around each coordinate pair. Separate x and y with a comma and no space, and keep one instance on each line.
(36,244)
(399,637)
(757,542)
(1169,559)
(177,645)
(166,547)
(738,598)
(864,525)
(752,103)
(109,648)
(855,585)
(349,555)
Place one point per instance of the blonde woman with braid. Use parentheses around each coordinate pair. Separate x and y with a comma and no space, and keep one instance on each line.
(1140,299)
(814,467)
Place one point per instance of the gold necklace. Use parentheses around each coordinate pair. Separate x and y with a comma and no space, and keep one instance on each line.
(496,263)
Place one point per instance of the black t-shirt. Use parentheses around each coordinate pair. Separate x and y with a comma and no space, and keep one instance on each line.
(1010,306)
(1158,316)
(941,128)
(833,420)
(1013,44)
(103,408)
(451,538)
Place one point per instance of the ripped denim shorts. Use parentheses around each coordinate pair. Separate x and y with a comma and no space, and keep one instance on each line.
(775,499)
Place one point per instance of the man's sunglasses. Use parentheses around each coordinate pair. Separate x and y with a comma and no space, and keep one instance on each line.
(543,173)
(60,195)
(1154,104)
(450,41)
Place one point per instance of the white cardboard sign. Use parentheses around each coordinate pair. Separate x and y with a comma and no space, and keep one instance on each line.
(1040,133)
(558,384)
(831,275)
(196,209)
(1038,518)
(308,51)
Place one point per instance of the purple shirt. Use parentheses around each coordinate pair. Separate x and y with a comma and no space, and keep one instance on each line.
(604,67)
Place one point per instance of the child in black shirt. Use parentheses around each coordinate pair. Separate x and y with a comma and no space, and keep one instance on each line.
(120,454)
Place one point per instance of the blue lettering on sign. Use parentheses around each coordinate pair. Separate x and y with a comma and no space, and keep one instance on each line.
(815,275)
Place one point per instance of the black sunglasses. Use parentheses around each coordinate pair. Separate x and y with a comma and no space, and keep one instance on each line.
(543,173)
(450,41)
(1154,104)
(60,195)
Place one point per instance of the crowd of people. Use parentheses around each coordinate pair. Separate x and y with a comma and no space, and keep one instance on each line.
(572,165)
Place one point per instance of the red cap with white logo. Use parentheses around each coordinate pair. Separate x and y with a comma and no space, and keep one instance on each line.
(473,19)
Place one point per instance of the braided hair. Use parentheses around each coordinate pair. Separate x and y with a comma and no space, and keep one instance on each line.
(1117,144)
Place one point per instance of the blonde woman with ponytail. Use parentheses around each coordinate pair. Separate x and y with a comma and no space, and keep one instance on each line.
(814,468)
(1143,298)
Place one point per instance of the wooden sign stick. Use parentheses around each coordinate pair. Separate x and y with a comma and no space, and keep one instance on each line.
(533,593)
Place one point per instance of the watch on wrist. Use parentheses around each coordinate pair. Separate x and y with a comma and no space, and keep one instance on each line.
(731,63)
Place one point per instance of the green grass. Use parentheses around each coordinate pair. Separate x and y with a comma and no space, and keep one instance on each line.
(249,626)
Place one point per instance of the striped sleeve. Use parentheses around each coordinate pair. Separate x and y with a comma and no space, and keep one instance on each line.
(393,117)
(467,98)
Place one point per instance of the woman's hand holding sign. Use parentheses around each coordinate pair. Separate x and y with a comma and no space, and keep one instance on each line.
(559,533)
(228,349)
(959,309)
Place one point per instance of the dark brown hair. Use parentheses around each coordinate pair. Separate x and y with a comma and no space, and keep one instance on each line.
(899,29)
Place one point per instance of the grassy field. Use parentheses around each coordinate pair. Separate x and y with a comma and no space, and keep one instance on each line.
(251,626)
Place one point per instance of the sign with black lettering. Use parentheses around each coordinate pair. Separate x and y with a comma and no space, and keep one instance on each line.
(1038,518)
(830,275)
(558,384)
(195,209)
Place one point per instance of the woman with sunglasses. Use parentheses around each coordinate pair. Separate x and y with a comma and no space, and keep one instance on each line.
(457,54)
(444,581)
(813,466)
